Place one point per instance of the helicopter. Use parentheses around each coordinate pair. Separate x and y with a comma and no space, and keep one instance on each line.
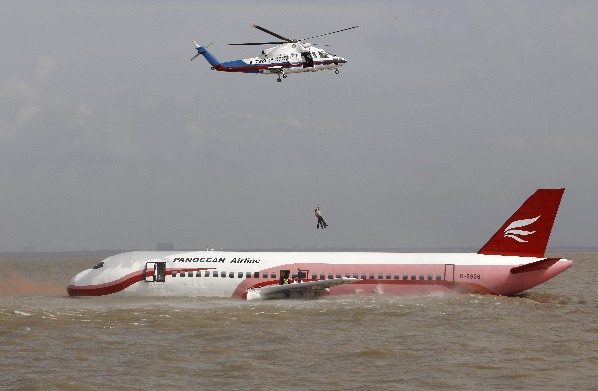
(290,56)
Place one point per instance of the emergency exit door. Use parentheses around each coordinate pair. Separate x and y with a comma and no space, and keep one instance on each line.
(155,271)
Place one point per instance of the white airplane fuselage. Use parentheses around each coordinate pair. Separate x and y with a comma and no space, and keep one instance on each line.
(513,260)
(232,274)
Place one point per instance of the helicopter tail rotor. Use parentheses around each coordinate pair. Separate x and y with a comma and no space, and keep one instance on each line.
(200,50)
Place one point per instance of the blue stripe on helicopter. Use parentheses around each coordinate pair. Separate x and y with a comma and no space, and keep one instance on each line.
(241,66)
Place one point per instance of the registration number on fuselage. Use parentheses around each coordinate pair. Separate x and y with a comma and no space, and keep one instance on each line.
(469,276)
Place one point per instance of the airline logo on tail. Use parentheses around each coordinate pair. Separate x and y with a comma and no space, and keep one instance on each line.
(515,236)
(511,232)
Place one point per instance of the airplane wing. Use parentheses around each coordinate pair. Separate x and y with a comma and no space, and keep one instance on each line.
(297,289)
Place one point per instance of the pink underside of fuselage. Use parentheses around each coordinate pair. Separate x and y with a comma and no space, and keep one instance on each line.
(478,279)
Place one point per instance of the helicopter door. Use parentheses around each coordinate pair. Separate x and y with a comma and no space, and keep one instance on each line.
(308,60)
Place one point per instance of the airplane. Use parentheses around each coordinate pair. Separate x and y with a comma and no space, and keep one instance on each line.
(291,56)
(512,261)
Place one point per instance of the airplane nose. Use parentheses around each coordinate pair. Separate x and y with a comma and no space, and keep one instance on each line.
(71,289)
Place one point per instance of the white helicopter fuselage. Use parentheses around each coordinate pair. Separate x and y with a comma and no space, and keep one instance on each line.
(281,60)
(295,57)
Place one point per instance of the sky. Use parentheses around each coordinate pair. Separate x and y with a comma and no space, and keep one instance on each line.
(447,116)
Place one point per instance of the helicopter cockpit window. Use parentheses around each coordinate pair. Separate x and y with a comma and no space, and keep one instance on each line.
(323,54)
(99,265)
(315,54)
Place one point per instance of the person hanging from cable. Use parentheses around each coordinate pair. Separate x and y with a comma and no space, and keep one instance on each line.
(321,221)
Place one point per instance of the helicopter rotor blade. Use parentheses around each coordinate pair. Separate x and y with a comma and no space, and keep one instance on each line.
(193,58)
(273,33)
(258,43)
(334,32)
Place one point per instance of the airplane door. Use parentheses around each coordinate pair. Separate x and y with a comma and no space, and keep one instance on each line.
(284,277)
(449,273)
(155,271)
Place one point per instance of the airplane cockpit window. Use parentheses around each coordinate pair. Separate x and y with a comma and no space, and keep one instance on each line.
(99,265)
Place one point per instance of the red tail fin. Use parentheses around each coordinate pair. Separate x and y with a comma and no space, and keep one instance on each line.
(526,233)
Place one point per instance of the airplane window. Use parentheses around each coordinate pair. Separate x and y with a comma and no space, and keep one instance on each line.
(388,276)
(438,277)
(314,276)
(207,273)
(182,274)
(248,275)
(198,274)
(240,274)
(223,274)
(363,276)
(354,275)
(265,275)
(294,275)
(338,275)
(99,265)
(214,273)
(348,275)
(273,275)
(421,276)
(371,276)
(413,276)
(330,276)
(430,276)
(380,276)
(322,276)
(405,276)
(231,274)
(397,277)
(173,274)
(256,275)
